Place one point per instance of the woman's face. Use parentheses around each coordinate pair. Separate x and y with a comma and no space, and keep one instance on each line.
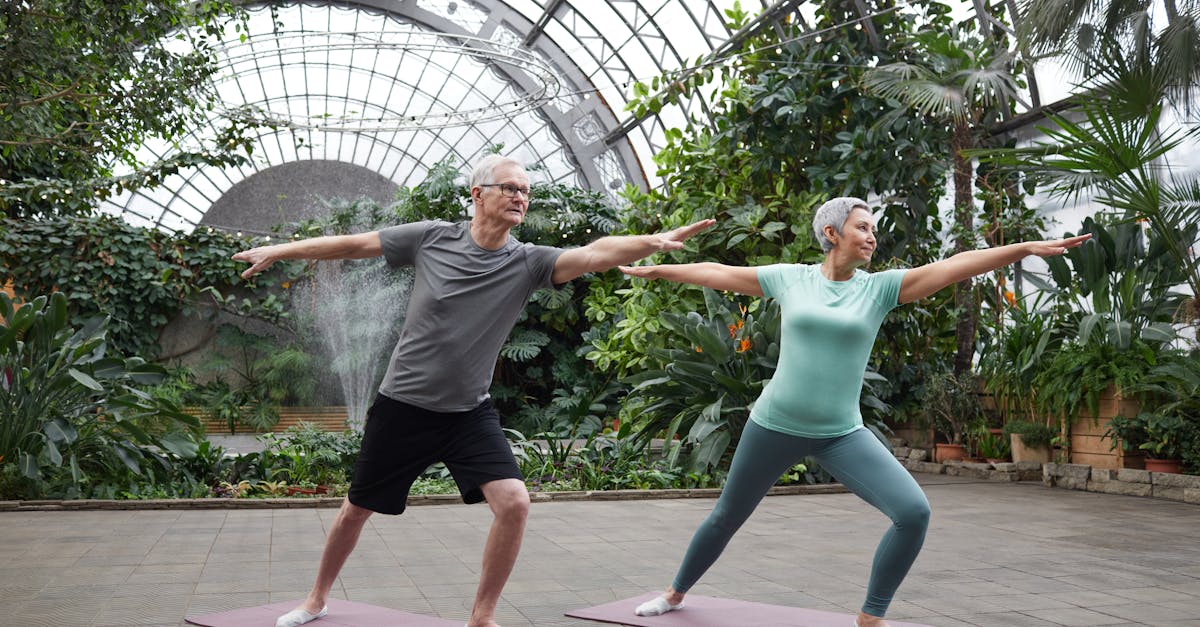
(857,239)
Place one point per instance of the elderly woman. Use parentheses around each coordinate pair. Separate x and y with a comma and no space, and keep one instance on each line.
(831,314)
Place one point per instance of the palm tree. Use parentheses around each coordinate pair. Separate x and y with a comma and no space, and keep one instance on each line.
(1082,31)
(963,82)
(1116,152)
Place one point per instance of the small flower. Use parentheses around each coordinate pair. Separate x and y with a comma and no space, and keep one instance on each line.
(744,345)
(286,285)
(1011,298)
(699,350)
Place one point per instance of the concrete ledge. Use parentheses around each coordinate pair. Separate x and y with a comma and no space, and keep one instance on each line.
(426,499)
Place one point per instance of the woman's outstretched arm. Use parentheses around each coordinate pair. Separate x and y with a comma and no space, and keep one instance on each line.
(929,278)
(740,279)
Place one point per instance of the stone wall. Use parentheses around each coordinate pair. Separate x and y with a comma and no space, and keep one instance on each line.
(1127,481)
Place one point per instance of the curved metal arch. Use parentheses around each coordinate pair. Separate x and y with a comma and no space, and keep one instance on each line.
(598,48)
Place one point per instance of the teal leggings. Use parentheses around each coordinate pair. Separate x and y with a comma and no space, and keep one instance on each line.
(859,460)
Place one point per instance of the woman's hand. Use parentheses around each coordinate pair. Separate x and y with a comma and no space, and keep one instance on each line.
(1052,247)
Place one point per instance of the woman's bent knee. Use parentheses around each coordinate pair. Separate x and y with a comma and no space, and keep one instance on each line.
(914,515)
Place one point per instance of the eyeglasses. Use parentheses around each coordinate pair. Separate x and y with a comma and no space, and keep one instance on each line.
(508,189)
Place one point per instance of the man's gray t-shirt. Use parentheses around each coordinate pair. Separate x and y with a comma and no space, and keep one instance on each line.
(464,303)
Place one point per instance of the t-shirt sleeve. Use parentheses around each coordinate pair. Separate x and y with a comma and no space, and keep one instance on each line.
(400,242)
(771,279)
(540,260)
(886,287)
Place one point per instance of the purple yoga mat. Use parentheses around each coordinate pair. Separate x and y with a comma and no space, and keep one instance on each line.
(345,613)
(701,611)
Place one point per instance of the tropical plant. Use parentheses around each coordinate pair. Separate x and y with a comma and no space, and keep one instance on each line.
(709,379)
(965,82)
(1116,150)
(73,414)
(1030,333)
(1082,33)
(991,446)
(789,128)
(87,83)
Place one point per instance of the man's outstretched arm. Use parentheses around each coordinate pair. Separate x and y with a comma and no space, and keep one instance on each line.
(358,246)
(617,250)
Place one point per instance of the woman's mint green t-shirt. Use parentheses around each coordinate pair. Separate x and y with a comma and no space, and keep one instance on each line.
(828,329)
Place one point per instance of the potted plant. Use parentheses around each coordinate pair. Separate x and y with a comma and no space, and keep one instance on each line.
(1030,441)
(992,447)
(1164,442)
(1127,433)
(953,405)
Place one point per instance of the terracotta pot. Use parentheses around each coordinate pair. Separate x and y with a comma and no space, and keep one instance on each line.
(949,452)
(1163,465)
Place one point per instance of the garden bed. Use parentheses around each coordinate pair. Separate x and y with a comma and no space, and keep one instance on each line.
(429,499)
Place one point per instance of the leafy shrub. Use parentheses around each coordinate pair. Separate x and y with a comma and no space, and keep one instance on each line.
(72,414)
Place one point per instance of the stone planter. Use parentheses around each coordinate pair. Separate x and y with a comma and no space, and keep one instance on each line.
(1023,453)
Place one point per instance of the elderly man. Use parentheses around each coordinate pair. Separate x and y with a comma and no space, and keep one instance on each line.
(472,280)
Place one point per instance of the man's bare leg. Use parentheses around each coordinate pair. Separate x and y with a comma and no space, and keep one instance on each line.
(339,543)
(509,501)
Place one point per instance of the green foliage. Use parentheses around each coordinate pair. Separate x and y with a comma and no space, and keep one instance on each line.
(1029,334)
(138,277)
(247,378)
(87,83)
(1129,281)
(307,456)
(789,129)
(1113,151)
(1075,377)
(72,414)
(1033,434)
(991,446)
(714,369)
(953,404)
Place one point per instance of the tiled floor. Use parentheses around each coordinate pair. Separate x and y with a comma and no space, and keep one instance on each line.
(997,555)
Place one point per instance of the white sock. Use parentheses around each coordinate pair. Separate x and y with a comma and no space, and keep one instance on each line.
(656,606)
(299,616)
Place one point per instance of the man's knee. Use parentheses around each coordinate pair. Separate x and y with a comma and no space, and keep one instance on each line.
(354,514)
(508,499)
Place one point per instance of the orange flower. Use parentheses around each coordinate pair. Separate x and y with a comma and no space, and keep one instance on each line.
(286,284)
(1011,298)
(733,328)
(698,350)
(744,345)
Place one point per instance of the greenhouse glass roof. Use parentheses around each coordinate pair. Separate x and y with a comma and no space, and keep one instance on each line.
(366,96)
(377,92)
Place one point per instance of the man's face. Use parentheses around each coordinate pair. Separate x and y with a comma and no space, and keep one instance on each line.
(492,203)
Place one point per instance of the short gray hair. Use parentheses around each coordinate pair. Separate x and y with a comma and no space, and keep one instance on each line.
(485,168)
(834,213)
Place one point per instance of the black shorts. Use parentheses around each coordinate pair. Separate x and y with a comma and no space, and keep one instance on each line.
(400,441)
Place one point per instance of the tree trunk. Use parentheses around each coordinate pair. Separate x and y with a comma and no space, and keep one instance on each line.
(964,217)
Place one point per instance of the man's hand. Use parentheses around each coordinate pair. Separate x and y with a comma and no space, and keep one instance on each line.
(259,259)
(674,239)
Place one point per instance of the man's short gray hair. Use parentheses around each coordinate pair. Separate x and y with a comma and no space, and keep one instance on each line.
(485,168)
(834,213)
